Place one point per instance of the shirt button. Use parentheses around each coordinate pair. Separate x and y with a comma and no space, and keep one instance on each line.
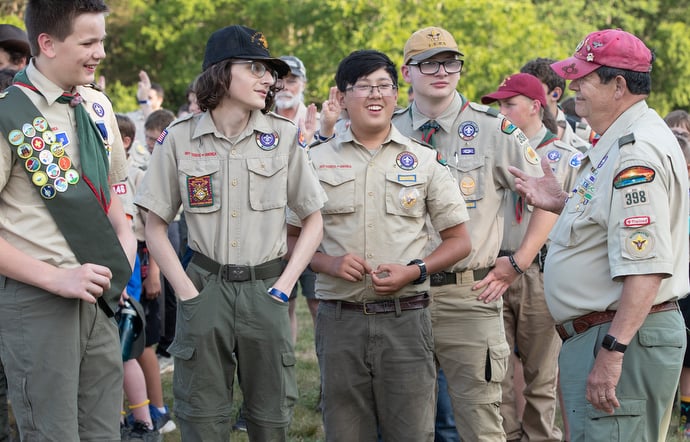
(234,182)
(234,213)
(233,151)
(234,244)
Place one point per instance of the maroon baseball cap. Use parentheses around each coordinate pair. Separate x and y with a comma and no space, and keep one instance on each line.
(518,84)
(611,47)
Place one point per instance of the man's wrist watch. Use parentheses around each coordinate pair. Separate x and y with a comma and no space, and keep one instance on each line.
(611,344)
(422,270)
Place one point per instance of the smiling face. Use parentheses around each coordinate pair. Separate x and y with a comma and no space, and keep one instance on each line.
(371,113)
(73,61)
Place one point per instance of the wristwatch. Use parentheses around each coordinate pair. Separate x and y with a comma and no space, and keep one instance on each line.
(422,270)
(611,344)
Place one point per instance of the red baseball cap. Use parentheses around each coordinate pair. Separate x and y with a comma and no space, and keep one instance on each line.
(611,47)
(518,84)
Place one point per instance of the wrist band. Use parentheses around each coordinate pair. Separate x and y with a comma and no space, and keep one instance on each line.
(278,294)
(143,101)
(517,268)
(319,137)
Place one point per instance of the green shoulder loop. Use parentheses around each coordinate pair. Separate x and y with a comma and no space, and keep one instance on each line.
(626,139)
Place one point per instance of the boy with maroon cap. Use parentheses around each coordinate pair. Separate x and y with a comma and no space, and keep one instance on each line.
(617,258)
(529,326)
(234,168)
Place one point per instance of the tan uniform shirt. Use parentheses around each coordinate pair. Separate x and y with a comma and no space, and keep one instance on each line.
(377,206)
(24,219)
(234,192)
(564,161)
(627,217)
(479,144)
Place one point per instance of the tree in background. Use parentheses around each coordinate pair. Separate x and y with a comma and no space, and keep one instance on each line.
(167,37)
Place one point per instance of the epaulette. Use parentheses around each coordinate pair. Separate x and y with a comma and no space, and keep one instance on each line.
(421,143)
(280,117)
(94,86)
(484,109)
(626,139)
(181,119)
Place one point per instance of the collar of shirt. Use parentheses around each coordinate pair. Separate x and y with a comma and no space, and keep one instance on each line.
(445,119)
(258,121)
(50,91)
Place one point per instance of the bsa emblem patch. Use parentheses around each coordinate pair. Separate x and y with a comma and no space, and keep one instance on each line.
(406,160)
(267,141)
(640,244)
(408,198)
(200,191)
(553,156)
(98,109)
(468,130)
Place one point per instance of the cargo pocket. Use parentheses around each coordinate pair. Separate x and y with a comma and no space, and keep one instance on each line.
(627,423)
(289,382)
(497,362)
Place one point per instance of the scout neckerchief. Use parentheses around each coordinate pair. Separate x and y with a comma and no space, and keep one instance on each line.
(517,199)
(431,127)
(78,207)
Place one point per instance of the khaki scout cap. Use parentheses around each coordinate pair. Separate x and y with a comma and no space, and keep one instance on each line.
(428,42)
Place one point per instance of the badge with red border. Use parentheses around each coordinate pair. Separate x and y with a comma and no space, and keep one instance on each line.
(200,191)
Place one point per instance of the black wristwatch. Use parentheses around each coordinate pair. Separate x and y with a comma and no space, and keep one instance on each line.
(422,270)
(611,344)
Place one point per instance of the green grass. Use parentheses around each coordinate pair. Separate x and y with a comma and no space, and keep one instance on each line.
(306,424)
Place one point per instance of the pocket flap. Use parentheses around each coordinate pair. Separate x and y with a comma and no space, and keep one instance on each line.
(629,407)
(199,167)
(184,352)
(266,166)
(661,337)
(335,177)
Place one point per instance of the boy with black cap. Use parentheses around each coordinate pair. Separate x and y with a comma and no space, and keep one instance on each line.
(14,47)
(234,168)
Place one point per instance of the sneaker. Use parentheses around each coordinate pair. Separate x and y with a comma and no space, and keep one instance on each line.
(139,431)
(166,364)
(241,423)
(162,421)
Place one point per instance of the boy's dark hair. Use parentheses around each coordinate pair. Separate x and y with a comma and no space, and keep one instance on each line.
(360,64)
(159,120)
(541,68)
(6,77)
(56,17)
(213,84)
(678,118)
(126,126)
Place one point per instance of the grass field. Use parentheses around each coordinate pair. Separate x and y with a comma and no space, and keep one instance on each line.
(306,425)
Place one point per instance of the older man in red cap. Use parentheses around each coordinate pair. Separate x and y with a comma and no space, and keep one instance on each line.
(618,256)
(528,324)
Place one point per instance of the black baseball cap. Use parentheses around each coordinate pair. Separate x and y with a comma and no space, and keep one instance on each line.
(241,42)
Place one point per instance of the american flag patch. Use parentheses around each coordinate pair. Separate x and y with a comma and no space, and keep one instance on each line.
(162,136)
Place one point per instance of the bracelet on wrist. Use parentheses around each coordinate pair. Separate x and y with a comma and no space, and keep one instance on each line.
(278,294)
(143,101)
(319,137)
(516,267)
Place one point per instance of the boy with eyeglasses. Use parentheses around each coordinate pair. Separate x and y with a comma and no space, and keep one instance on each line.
(478,144)
(374,345)
(234,168)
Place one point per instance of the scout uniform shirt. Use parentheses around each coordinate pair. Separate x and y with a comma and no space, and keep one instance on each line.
(377,207)
(234,192)
(26,222)
(624,218)
(478,144)
(564,161)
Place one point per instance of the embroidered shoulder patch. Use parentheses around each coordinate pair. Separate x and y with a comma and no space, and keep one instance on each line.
(633,175)
(507,126)
(162,136)
(640,244)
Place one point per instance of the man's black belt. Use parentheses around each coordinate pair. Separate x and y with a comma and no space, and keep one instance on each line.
(445,278)
(238,273)
(388,306)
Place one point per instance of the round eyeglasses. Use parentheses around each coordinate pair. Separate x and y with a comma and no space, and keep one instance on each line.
(432,67)
(364,90)
(258,69)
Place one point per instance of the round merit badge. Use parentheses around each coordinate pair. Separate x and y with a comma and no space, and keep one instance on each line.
(15,137)
(48,191)
(406,160)
(72,176)
(408,197)
(468,130)
(40,124)
(32,164)
(28,130)
(267,141)
(640,243)
(467,185)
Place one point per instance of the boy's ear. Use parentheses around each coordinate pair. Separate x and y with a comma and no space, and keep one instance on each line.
(46,44)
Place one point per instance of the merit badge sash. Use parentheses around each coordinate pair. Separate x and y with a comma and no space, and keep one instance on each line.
(73,205)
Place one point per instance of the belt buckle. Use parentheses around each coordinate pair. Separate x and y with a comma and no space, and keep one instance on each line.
(366,310)
(236,273)
(437,278)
